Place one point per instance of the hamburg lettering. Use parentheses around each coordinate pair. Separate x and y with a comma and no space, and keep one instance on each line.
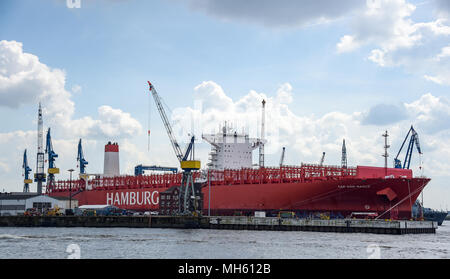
(132,198)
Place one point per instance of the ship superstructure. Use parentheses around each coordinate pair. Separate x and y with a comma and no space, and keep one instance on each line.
(230,149)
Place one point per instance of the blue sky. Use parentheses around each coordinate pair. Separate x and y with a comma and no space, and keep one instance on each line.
(393,56)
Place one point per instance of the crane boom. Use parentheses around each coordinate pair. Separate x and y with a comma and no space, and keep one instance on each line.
(414,140)
(322,159)
(26,172)
(173,141)
(52,169)
(80,158)
(49,150)
(282,156)
(189,198)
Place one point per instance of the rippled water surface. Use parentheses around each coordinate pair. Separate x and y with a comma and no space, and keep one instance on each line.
(34,243)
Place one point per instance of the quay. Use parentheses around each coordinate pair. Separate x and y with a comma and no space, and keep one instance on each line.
(226,223)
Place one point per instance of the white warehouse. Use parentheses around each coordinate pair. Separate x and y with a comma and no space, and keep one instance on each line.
(16,203)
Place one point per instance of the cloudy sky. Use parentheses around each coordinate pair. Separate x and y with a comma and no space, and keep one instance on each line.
(328,69)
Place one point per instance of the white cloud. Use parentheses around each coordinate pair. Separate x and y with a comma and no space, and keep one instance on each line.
(445,52)
(433,79)
(24,80)
(432,113)
(76,88)
(395,39)
(347,44)
(385,23)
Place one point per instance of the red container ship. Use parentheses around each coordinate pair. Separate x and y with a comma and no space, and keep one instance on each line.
(231,184)
(387,193)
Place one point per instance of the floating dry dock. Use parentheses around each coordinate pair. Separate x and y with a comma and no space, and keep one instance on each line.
(225,222)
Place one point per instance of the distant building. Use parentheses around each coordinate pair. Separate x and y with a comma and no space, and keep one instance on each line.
(12,204)
(169,201)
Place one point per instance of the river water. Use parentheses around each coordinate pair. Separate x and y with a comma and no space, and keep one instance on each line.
(135,243)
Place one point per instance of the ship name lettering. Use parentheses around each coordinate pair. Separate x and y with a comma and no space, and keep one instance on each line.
(132,198)
(353,186)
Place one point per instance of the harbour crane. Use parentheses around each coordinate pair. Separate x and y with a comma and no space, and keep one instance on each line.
(189,203)
(52,169)
(139,169)
(322,159)
(26,172)
(81,160)
(282,156)
(39,175)
(414,140)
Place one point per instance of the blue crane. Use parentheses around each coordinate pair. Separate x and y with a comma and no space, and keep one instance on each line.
(413,140)
(139,169)
(52,169)
(26,172)
(80,158)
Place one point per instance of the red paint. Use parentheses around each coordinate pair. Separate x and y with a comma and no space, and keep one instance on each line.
(308,188)
(112,148)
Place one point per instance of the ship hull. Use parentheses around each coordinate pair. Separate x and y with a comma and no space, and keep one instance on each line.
(388,198)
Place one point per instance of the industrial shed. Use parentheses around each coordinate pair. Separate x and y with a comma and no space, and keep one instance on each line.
(12,204)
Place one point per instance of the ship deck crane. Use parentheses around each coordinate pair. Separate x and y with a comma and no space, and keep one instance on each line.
(26,173)
(414,140)
(322,159)
(52,169)
(282,156)
(344,156)
(190,203)
(81,160)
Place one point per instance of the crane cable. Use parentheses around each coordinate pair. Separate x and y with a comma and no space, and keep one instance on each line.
(149,122)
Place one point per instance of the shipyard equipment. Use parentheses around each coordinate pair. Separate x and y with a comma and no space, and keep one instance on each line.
(26,172)
(344,156)
(52,169)
(189,200)
(322,159)
(261,144)
(414,140)
(139,169)
(282,157)
(39,175)
(81,160)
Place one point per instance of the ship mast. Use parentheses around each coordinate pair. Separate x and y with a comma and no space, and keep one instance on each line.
(261,145)
(385,155)
(344,156)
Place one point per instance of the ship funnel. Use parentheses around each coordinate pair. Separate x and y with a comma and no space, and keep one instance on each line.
(111,165)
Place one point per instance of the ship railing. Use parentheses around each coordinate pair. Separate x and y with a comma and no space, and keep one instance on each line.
(66,185)
(283,174)
(279,175)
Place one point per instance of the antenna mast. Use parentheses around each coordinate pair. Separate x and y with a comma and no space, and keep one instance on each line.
(344,156)
(261,144)
(385,155)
